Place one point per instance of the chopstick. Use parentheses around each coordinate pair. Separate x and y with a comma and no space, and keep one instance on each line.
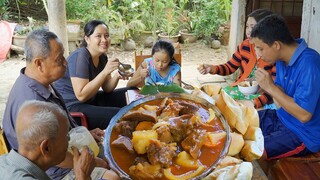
(155,84)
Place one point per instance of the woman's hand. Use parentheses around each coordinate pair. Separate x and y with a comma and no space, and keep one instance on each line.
(204,68)
(111,65)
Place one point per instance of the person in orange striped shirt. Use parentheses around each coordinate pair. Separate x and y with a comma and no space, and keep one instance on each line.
(245,59)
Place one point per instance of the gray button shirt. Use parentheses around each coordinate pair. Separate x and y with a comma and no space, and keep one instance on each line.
(15,166)
(24,89)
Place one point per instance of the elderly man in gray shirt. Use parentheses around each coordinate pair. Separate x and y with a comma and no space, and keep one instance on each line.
(42,132)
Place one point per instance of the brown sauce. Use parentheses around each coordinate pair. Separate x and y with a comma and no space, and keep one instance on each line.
(207,157)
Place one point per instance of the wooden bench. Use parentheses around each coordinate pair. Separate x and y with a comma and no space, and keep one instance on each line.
(307,167)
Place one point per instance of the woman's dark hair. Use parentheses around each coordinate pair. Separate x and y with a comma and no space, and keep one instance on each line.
(259,14)
(272,28)
(164,46)
(89,29)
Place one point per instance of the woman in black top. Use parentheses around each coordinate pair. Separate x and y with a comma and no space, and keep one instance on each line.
(88,86)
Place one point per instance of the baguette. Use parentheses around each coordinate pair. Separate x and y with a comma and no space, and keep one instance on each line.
(234,113)
(251,151)
(252,117)
(236,144)
(211,89)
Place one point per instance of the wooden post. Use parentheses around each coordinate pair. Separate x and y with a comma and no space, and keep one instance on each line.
(58,23)
(238,21)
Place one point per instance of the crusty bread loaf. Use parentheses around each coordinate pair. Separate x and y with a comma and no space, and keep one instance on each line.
(242,171)
(217,172)
(252,116)
(236,144)
(234,113)
(251,150)
(211,89)
(253,134)
(245,171)
(229,161)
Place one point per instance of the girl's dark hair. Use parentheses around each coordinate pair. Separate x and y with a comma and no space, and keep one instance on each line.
(89,29)
(272,28)
(164,46)
(259,14)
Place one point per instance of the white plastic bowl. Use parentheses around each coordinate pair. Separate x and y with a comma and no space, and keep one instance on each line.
(246,89)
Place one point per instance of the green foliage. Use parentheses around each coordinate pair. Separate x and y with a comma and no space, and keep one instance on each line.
(4,14)
(124,17)
(212,16)
(170,24)
(78,9)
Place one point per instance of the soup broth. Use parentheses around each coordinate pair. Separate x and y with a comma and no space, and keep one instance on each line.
(174,112)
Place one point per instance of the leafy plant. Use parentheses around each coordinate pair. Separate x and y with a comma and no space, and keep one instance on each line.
(170,24)
(4,14)
(210,19)
(76,9)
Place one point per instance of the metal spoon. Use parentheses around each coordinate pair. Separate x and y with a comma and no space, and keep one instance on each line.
(125,66)
(186,85)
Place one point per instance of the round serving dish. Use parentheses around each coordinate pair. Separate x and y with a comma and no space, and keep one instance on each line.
(124,110)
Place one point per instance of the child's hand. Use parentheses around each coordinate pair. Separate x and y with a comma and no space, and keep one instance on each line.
(204,68)
(144,72)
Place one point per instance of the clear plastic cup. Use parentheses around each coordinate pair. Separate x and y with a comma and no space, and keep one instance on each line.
(80,137)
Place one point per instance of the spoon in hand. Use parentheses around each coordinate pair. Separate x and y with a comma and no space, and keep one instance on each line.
(125,66)
(186,85)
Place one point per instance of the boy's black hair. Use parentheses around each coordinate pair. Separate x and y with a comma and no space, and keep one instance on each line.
(272,28)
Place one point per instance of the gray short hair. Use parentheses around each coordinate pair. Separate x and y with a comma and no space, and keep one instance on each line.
(43,122)
(37,44)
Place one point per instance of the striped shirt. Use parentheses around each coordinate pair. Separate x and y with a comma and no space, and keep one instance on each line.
(246,60)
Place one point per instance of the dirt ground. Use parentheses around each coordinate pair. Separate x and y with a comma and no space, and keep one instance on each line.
(192,55)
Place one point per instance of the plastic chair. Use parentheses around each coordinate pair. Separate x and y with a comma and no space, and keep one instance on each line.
(83,118)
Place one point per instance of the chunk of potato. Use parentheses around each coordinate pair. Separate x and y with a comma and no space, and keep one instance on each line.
(212,115)
(140,140)
(189,175)
(215,138)
(144,125)
(185,160)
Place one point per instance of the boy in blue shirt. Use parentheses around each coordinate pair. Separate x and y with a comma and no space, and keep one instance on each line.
(294,128)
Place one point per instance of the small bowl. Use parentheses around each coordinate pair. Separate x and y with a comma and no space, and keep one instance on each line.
(247,89)
(125,72)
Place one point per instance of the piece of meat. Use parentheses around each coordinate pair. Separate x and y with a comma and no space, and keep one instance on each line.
(171,110)
(124,142)
(161,153)
(193,142)
(145,171)
(188,108)
(181,126)
(140,115)
(125,128)
(164,134)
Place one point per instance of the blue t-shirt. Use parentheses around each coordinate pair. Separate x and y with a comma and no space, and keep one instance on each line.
(300,80)
(154,74)
(80,65)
